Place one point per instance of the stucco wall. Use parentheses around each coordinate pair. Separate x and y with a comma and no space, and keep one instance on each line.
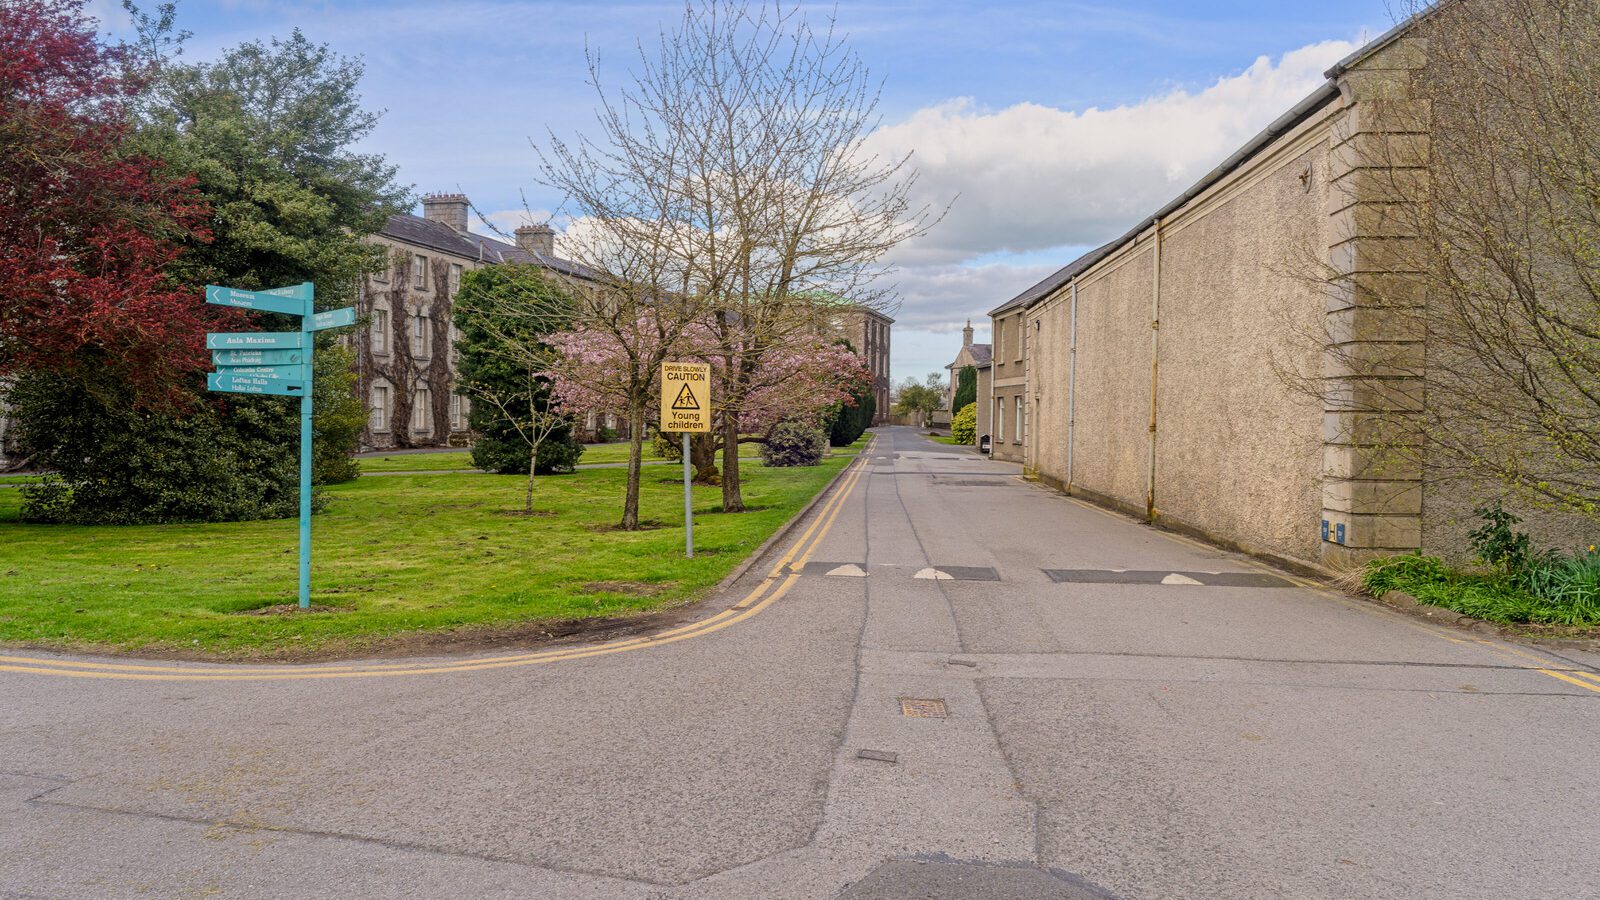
(1113,381)
(1239,452)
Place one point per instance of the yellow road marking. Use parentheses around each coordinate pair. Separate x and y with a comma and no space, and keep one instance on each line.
(753,603)
(1569,679)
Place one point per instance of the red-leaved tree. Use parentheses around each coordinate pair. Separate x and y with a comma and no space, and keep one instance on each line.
(87,230)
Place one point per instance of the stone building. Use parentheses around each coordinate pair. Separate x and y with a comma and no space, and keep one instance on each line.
(406,354)
(980,358)
(867,330)
(1146,374)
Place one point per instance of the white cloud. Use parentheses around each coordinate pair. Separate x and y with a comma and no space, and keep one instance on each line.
(1032,176)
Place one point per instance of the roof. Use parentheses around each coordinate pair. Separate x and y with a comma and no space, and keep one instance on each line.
(982,354)
(1325,93)
(422,232)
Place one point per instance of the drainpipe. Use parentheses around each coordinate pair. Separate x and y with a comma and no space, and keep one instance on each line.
(1072,382)
(1155,359)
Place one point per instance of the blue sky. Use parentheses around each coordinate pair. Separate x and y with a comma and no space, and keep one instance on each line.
(1058,124)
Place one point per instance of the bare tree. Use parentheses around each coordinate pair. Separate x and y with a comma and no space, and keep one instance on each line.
(734,189)
(1486,365)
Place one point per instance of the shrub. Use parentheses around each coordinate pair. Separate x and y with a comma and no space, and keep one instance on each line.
(850,422)
(508,455)
(794,443)
(966,392)
(964,425)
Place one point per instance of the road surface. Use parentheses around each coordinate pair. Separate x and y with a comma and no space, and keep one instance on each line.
(948,682)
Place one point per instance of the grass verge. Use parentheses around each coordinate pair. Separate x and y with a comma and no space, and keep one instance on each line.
(393,556)
(1483,595)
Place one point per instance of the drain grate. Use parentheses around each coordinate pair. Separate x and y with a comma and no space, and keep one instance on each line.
(923,708)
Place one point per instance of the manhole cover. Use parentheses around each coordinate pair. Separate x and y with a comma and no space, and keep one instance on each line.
(919,708)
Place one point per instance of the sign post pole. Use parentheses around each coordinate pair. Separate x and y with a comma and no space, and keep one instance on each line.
(688,502)
(686,409)
(305,459)
(280,364)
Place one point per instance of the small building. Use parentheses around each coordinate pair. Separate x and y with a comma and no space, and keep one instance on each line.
(980,358)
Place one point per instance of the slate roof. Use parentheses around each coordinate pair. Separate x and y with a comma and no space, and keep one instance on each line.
(982,354)
(422,232)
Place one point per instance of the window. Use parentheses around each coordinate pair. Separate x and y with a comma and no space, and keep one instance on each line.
(383,272)
(1017,424)
(419,272)
(455,278)
(380,330)
(457,418)
(421,335)
(422,411)
(378,418)
(589,422)
(999,340)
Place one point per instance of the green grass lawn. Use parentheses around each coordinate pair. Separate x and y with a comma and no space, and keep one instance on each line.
(417,462)
(947,439)
(396,554)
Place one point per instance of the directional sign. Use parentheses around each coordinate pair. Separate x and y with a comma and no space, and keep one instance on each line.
(255,340)
(295,373)
(291,300)
(257,357)
(333,318)
(249,384)
(685,397)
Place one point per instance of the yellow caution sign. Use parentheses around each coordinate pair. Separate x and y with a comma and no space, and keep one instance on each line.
(685,397)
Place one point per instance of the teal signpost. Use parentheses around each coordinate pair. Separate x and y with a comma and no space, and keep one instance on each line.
(276,363)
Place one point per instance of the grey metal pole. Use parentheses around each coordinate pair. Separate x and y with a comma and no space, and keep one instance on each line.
(688,502)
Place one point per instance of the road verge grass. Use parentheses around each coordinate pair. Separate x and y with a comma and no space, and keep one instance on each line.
(393,557)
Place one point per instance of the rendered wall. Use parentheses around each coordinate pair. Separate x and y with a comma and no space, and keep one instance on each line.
(1239,451)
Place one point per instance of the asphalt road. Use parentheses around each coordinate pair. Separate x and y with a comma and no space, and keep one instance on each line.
(1125,714)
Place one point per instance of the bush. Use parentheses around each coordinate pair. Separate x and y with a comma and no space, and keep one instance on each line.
(794,443)
(1565,592)
(495,452)
(223,458)
(966,392)
(849,423)
(964,425)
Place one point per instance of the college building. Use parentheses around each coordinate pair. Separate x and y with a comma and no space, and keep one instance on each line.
(1148,375)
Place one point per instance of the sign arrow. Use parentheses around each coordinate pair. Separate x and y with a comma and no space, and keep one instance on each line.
(255,340)
(249,384)
(294,301)
(257,357)
(333,318)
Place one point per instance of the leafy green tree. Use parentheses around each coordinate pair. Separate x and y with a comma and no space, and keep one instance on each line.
(966,389)
(502,315)
(266,133)
(920,398)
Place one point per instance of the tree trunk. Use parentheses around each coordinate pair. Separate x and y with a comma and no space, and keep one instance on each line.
(630,502)
(703,456)
(533,467)
(732,497)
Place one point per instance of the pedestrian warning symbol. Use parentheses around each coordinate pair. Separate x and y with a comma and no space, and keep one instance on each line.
(685,397)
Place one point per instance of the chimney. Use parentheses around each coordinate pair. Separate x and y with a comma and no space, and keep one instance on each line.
(966,334)
(448,209)
(539,239)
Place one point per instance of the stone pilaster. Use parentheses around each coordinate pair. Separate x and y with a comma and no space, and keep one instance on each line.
(1373,366)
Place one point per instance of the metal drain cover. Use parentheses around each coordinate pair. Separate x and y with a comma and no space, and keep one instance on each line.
(924,708)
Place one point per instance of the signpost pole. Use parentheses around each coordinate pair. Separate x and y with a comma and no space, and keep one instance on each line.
(688,502)
(305,458)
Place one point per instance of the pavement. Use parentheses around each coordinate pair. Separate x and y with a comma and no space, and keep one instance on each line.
(947,682)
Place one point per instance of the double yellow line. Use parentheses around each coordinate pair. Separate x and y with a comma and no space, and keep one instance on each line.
(772,587)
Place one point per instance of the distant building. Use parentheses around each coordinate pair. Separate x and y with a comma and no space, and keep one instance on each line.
(980,357)
(406,354)
(867,330)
